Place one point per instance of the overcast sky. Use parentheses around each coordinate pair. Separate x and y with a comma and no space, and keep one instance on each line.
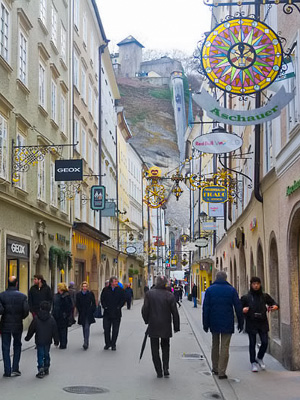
(158,24)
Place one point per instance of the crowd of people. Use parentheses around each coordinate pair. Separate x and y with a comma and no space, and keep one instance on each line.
(53,315)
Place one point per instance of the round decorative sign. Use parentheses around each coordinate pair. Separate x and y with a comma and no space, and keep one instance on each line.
(217,143)
(242,56)
(130,249)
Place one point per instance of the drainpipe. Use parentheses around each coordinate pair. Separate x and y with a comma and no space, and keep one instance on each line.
(100,52)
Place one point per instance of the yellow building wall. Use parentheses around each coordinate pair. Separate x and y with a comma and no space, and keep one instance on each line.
(202,278)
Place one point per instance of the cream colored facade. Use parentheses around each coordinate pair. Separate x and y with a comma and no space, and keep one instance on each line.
(34,111)
(261,236)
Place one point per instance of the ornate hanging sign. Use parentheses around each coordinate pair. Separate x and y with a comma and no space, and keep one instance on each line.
(242,56)
(242,118)
(214,194)
(217,143)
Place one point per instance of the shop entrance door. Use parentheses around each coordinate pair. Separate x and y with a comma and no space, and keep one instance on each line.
(19,268)
(79,274)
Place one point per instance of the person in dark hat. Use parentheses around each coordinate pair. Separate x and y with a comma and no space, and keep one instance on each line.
(158,311)
(256,304)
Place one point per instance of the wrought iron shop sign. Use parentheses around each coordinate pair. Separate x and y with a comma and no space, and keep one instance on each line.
(217,143)
(242,118)
(68,170)
(214,194)
(97,197)
(242,56)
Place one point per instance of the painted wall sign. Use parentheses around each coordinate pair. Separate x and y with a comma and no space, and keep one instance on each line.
(293,188)
(68,170)
(217,143)
(97,197)
(214,194)
(243,118)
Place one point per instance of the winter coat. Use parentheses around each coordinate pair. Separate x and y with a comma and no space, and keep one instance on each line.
(45,329)
(128,293)
(219,301)
(86,306)
(62,309)
(36,295)
(256,317)
(177,294)
(13,308)
(194,291)
(73,293)
(158,311)
(112,301)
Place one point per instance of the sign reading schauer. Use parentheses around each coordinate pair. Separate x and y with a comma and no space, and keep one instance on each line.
(17,249)
(293,188)
(68,170)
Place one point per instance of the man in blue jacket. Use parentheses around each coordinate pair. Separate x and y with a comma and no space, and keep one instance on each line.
(218,316)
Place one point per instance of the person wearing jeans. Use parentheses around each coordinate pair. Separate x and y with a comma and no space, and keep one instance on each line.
(86,306)
(220,301)
(194,294)
(256,304)
(13,309)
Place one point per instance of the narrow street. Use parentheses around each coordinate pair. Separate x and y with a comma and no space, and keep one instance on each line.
(123,377)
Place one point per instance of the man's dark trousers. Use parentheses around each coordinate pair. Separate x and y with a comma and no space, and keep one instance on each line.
(165,347)
(108,325)
(17,345)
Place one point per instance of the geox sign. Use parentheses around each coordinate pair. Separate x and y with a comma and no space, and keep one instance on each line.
(68,170)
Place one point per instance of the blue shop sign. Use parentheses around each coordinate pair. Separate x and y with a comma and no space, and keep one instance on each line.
(214,194)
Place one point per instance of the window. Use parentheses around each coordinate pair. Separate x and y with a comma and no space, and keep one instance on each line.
(76,71)
(90,99)
(4,43)
(83,143)
(41,180)
(53,185)
(96,114)
(54,26)
(95,167)
(91,217)
(63,113)
(77,203)
(53,100)
(63,44)
(42,85)
(3,148)
(76,134)
(90,153)
(83,84)
(21,184)
(84,30)
(23,49)
(92,46)
(269,145)
(76,13)
(43,11)
(293,116)
(62,197)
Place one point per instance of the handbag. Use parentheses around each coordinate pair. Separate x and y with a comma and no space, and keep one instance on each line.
(98,312)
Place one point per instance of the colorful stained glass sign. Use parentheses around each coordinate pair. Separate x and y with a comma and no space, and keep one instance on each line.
(242,56)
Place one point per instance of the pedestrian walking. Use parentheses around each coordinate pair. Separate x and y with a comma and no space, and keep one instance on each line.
(73,293)
(38,292)
(256,304)
(177,295)
(13,309)
(112,300)
(158,311)
(220,300)
(146,288)
(86,306)
(62,313)
(194,294)
(180,291)
(128,296)
(44,327)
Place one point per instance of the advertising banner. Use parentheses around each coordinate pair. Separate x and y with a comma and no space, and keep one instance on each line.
(216,210)
(217,142)
(243,118)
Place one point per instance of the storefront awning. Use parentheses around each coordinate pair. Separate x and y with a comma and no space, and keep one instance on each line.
(90,231)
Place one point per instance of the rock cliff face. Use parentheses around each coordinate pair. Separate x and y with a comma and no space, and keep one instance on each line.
(149,113)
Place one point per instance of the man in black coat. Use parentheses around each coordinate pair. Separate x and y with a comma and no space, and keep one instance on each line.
(13,308)
(86,306)
(128,296)
(112,300)
(158,311)
(38,292)
(255,309)
(194,294)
